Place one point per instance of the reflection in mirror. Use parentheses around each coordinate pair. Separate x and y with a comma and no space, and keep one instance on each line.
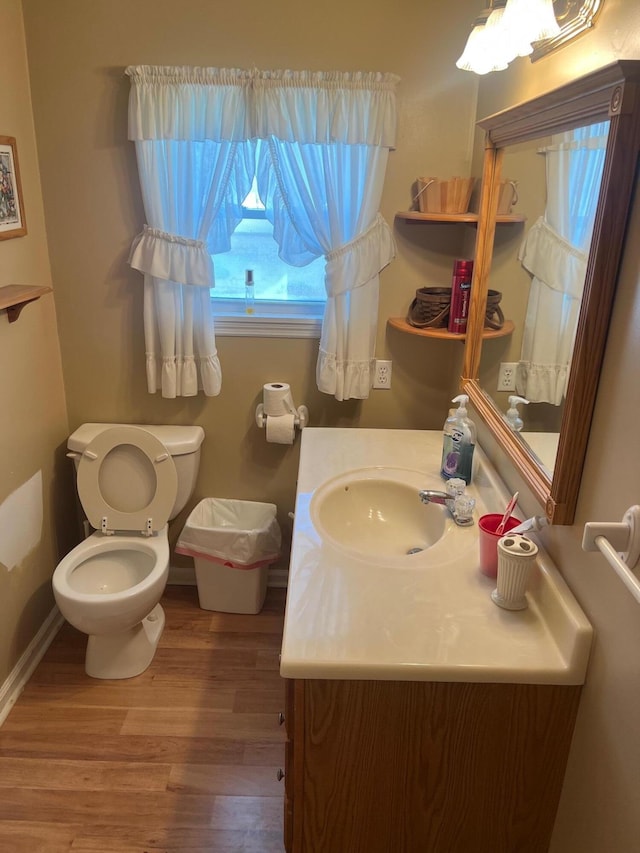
(609,95)
(540,270)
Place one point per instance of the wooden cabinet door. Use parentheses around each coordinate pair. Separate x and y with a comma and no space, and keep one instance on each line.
(410,767)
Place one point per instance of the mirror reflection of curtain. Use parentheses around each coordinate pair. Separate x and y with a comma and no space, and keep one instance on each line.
(555,252)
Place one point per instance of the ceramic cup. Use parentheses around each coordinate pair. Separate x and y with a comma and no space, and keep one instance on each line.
(507,198)
(489,541)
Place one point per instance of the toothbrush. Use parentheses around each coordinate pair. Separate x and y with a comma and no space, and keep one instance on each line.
(507,514)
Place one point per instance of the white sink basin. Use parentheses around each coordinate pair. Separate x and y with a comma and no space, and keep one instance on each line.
(376,512)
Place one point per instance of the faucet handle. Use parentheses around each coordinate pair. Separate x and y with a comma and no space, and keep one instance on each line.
(463,506)
(455,486)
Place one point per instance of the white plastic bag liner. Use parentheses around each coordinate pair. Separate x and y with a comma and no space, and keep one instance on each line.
(241,534)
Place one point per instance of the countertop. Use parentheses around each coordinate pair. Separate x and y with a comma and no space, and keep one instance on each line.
(429,617)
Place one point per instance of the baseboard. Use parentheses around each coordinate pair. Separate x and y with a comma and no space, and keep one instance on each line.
(278,578)
(182,576)
(186,576)
(28,661)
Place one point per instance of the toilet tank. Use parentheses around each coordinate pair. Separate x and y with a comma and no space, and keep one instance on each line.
(182,442)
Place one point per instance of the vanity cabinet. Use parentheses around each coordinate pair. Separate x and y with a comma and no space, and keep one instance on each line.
(424,767)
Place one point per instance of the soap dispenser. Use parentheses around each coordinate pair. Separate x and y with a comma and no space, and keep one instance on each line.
(513,415)
(458,442)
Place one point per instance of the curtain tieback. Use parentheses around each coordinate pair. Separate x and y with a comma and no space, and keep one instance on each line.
(361,259)
(171,257)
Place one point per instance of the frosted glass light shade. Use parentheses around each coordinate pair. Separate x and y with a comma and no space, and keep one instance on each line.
(530,20)
(485,50)
(473,49)
(498,41)
(506,30)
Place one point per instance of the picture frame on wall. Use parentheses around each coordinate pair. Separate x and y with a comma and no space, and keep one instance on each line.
(12,218)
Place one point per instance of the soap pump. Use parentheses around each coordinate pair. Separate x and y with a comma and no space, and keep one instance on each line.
(513,415)
(458,442)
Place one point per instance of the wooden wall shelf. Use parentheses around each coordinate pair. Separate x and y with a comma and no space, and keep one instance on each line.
(13,298)
(442,334)
(469,218)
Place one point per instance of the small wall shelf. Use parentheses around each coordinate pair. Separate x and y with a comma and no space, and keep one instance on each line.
(442,334)
(470,218)
(13,298)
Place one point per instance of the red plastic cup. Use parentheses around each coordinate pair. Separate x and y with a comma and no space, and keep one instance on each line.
(489,539)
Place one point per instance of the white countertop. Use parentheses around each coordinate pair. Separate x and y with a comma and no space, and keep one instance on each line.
(428,617)
(545,447)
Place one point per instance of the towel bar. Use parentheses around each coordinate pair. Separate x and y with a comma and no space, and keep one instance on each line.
(620,545)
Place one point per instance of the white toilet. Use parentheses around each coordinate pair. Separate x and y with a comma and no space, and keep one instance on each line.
(131,481)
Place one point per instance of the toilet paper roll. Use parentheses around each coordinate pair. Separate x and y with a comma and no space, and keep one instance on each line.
(277,399)
(281,429)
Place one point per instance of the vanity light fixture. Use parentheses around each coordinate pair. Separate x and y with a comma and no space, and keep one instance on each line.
(506,29)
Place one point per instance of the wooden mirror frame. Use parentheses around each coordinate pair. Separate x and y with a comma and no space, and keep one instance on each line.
(613,93)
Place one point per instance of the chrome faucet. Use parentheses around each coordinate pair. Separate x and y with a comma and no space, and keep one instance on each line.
(459,505)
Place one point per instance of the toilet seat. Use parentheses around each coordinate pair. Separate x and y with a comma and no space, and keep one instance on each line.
(103,516)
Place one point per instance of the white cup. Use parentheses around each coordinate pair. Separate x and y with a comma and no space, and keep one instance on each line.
(516,556)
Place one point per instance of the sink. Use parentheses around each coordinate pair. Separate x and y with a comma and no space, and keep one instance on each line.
(376,512)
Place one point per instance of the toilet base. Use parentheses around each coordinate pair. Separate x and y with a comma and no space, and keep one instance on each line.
(128,653)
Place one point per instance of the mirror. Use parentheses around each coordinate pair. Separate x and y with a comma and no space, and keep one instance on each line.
(560,291)
(540,271)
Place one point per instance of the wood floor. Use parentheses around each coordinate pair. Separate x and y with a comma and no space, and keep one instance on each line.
(182,758)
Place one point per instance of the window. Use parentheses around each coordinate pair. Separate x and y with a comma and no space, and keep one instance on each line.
(289,301)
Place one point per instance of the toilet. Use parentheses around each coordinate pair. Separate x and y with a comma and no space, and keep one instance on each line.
(131,481)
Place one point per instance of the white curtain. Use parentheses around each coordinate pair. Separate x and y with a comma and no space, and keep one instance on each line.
(195,168)
(321,171)
(325,141)
(555,252)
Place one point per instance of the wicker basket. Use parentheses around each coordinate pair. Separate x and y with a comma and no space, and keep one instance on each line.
(494,318)
(452,196)
(430,308)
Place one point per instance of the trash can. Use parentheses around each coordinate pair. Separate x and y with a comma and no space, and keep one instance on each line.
(232,544)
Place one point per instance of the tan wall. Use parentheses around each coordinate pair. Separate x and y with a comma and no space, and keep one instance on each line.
(33,421)
(77,55)
(599,810)
(77,52)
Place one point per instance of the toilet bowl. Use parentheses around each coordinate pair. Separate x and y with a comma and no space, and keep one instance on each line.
(109,586)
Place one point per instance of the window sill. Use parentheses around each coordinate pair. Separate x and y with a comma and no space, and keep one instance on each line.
(257,326)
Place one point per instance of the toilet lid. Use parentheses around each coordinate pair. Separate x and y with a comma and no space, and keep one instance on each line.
(127,480)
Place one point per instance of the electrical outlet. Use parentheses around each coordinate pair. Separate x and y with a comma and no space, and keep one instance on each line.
(507,376)
(382,377)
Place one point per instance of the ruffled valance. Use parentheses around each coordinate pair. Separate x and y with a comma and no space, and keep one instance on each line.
(188,103)
(357,262)
(553,260)
(356,108)
(172,258)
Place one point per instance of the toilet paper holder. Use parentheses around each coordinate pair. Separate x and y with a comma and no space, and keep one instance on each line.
(300,416)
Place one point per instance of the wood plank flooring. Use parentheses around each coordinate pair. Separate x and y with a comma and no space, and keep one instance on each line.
(181,759)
